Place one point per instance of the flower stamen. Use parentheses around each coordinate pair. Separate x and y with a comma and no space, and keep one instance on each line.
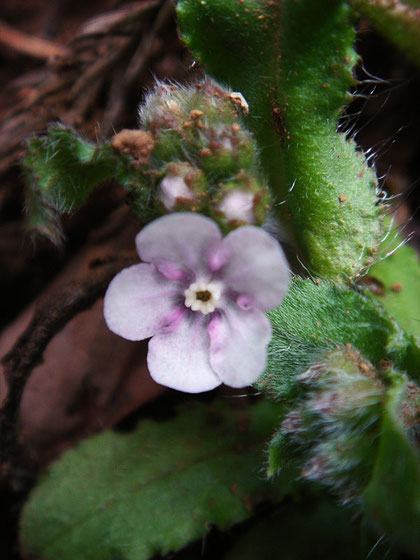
(202,296)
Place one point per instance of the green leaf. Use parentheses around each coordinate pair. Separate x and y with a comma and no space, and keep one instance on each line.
(392,497)
(396,282)
(62,170)
(315,318)
(292,61)
(154,490)
(307,531)
(398,21)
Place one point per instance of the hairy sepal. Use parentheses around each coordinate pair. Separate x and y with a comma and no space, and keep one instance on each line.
(353,430)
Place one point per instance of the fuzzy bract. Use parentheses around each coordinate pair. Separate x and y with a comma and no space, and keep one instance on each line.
(201,298)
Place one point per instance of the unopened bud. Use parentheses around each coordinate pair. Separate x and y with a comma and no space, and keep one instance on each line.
(181,188)
(334,430)
(241,201)
(173,189)
(238,206)
(201,124)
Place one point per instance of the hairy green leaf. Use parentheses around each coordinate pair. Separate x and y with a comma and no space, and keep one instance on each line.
(292,61)
(307,531)
(395,282)
(154,490)
(316,317)
(62,170)
(397,21)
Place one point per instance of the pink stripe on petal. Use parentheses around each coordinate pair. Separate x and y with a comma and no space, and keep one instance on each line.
(172,272)
(238,345)
(140,301)
(178,355)
(218,258)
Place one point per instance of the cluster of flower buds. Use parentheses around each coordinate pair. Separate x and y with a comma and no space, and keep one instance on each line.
(198,156)
(335,430)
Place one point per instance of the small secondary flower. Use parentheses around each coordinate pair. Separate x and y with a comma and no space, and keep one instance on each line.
(201,298)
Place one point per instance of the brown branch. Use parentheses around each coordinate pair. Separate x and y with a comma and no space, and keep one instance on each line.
(69,87)
(116,20)
(50,317)
(145,46)
(30,45)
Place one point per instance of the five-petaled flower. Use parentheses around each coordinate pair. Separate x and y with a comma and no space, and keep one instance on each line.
(202,298)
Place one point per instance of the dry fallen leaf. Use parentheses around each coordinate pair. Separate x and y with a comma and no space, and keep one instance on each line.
(90,378)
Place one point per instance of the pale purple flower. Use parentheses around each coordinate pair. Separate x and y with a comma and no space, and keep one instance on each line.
(202,298)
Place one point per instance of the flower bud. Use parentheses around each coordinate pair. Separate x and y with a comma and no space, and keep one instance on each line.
(241,201)
(237,205)
(204,159)
(182,188)
(334,431)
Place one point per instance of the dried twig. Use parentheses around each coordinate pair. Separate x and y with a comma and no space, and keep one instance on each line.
(30,45)
(69,88)
(50,317)
(145,47)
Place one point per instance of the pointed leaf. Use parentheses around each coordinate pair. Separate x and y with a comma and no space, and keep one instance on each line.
(392,497)
(396,283)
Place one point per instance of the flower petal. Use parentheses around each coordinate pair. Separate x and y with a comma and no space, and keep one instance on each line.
(179,355)
(139,301)
(184,239)
(238,345)
(255,267)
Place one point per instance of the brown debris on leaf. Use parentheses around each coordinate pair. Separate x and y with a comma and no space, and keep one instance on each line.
(137,143)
